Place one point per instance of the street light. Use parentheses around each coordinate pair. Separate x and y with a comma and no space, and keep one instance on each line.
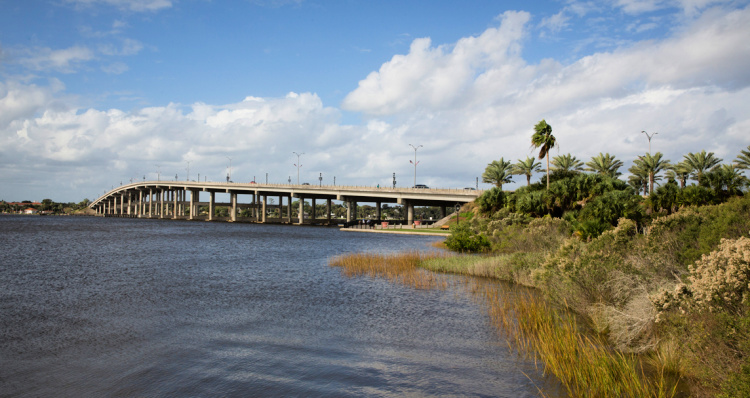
(649,140)
(298,165)
(230,169)
(188,171)
(320,179)
(415,163)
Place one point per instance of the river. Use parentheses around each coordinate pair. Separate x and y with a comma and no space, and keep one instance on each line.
(94,307)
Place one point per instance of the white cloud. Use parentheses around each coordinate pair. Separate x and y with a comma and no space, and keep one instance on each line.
(64,60)
(132,5)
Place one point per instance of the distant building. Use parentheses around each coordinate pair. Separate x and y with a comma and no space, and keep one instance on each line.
(30,210)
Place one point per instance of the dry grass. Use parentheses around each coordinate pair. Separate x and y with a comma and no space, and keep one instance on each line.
(585,365)
(401,268)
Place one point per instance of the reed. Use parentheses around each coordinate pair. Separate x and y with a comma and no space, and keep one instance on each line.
(401,268)
(585,365)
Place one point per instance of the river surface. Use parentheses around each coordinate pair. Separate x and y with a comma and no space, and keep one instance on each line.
(93,307)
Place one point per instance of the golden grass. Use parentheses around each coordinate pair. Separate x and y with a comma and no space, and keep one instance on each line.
(401,268)
(585,365)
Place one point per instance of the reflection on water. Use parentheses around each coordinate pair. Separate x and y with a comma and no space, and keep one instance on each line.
(127,307)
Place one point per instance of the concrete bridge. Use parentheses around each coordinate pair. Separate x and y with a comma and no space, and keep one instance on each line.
(181,200)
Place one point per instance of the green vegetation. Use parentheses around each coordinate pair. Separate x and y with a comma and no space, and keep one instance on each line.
(46,206)
(662,279)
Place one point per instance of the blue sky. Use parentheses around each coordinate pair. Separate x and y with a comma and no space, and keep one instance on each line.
(95,92)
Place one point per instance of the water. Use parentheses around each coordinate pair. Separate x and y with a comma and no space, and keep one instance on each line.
(128,307)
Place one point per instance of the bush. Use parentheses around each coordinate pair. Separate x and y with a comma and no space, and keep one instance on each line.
(721,279)
(491,200)
(463,239)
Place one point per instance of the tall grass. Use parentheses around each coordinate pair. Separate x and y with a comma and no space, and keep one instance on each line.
(400,268)
(584,364)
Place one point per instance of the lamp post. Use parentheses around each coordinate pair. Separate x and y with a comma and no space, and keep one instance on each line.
(320,179)
(188,171)
(230,169)
(158,173)
(415,163)
(649,140)
(298,165)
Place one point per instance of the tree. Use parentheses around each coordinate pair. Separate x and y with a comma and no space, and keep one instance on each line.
(652,165)
(527,167)
(700,163)
(638,178)
(566,163)
(498,172)
(544,141)
(604,164)
(726,180)
(680,172)
(743,159)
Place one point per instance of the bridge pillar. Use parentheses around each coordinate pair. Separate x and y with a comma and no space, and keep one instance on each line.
(233,195)
(313,213)
(264,210)
(281,208)
(211,202)
(150,197)
(409,213)
(175,194)
(130,203)
(377,210)
(442,212)
(192,204)
(328,210)
(301,213)
(289,209)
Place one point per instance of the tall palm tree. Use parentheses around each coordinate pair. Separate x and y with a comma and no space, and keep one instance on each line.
(498,172)
(566,163)
(638,178)
(726,180)
(743,159)
(605,165)
(680,172)
(653,165)
(700,163)
(544,141)
(527,167)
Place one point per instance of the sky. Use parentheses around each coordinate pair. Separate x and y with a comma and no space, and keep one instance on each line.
(98,93)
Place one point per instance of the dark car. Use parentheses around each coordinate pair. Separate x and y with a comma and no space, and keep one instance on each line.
(421,186)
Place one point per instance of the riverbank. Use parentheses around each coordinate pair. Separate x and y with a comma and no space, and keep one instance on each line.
(429,232)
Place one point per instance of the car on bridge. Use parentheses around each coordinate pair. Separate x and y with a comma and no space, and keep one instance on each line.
(421,186)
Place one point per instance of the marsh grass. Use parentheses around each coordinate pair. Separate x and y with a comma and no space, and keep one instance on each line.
(585,364)
(402,268)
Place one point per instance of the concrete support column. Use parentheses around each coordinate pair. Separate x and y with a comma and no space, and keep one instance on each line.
(301,215)
(150,197)
(130,203)
(348,211)
(377,210)
(255,206)
(211,203)
(265,209)
(192,204)
(328,210)
(281,208)
(289,209)
(233,195)
(442,212)
(161,203)
(313,213)
(354,210)
(174,204)
(409,213)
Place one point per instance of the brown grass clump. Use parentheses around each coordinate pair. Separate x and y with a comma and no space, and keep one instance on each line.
(401,268)
(585,365)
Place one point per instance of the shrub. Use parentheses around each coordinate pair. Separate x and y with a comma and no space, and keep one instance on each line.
(463,239)
(491,200)
(721,279)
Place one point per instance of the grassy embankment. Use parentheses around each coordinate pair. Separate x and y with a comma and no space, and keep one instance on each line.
(658,309)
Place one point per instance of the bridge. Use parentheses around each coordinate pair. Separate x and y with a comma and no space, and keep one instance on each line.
(182,199)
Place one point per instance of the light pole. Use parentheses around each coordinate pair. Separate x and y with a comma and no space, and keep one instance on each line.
(188,171)
(298,165)
(649,140)
(230,169)
(158,173)
(415,163)
(320,178)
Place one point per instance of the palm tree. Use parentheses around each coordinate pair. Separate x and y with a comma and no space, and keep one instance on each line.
(604,164)
(680,172)
(566,163)
(726,180)
(638,179)
(653,165)
(527,167)
(743,159)
(700,163)
(498,172)
(544,140)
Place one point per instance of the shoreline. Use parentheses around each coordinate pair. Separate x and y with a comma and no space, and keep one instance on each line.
(396,231)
